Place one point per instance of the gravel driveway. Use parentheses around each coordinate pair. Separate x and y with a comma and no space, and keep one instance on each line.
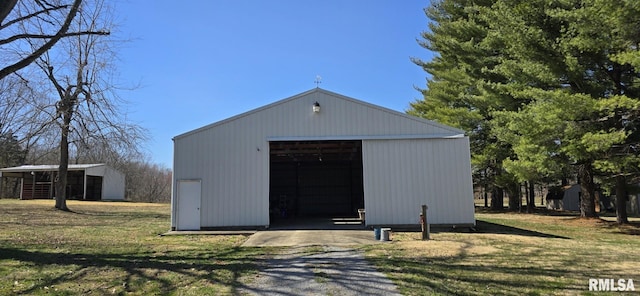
(326,270)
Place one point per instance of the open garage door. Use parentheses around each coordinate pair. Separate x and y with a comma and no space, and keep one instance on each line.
(315,179)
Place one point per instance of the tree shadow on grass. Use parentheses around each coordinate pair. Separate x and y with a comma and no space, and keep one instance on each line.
(52,216)
(631,228)
(125,215)
(538,210)
(456,276)
(193,268)
(488,227)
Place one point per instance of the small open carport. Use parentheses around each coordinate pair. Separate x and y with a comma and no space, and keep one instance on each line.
(84,181)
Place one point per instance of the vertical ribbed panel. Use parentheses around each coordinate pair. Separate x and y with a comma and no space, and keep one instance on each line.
(402,175)
(113,181)
(231,157)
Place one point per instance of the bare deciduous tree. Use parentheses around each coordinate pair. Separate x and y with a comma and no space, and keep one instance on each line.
(37,25)
(85,114)
(147,182)
(23,113)
(88,106)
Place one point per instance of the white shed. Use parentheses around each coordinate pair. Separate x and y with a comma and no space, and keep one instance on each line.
(320,153)
(84,181)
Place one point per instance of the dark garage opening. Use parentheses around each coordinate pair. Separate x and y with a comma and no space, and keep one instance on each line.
(315,179)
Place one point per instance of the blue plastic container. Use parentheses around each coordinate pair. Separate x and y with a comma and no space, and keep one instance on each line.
(376,233)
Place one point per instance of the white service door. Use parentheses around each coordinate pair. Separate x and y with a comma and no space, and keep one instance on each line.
(188,205)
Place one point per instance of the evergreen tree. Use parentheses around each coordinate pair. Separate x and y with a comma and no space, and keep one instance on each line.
(11,153)
(460,90)
(542,87)
(573,61)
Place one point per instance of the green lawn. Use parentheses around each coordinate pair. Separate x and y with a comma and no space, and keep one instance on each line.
(112,248)
(513,254)
(115,248)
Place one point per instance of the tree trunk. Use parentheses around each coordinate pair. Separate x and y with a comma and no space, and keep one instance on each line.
(515,197)
(621,200)
(497,198)
(531,202)
(66,108)
(587,197)
(61,186)
(486,201)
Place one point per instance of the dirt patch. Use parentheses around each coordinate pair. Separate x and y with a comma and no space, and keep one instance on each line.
(514,238)
(586,222)
(632,228)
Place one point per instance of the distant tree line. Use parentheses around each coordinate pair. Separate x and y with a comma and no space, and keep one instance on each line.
(546,90)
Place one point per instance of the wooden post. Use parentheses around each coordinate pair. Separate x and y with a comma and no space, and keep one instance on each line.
(33,186)
(424,223)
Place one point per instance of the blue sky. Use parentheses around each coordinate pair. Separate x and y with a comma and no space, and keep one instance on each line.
(207,60)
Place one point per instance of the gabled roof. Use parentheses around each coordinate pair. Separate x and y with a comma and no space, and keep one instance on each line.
(449,130)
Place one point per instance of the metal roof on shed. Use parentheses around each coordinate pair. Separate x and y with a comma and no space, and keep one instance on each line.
(45,168)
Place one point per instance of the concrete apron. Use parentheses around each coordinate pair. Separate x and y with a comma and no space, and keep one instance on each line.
(289,238)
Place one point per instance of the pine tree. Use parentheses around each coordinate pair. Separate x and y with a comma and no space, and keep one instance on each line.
(11,153)
(574,62)
(542,87)
(460,90)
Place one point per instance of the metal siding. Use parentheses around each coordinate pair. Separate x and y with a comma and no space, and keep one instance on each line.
(232,157)
(113,181)
(233,172)
(401,175)
(113,185)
